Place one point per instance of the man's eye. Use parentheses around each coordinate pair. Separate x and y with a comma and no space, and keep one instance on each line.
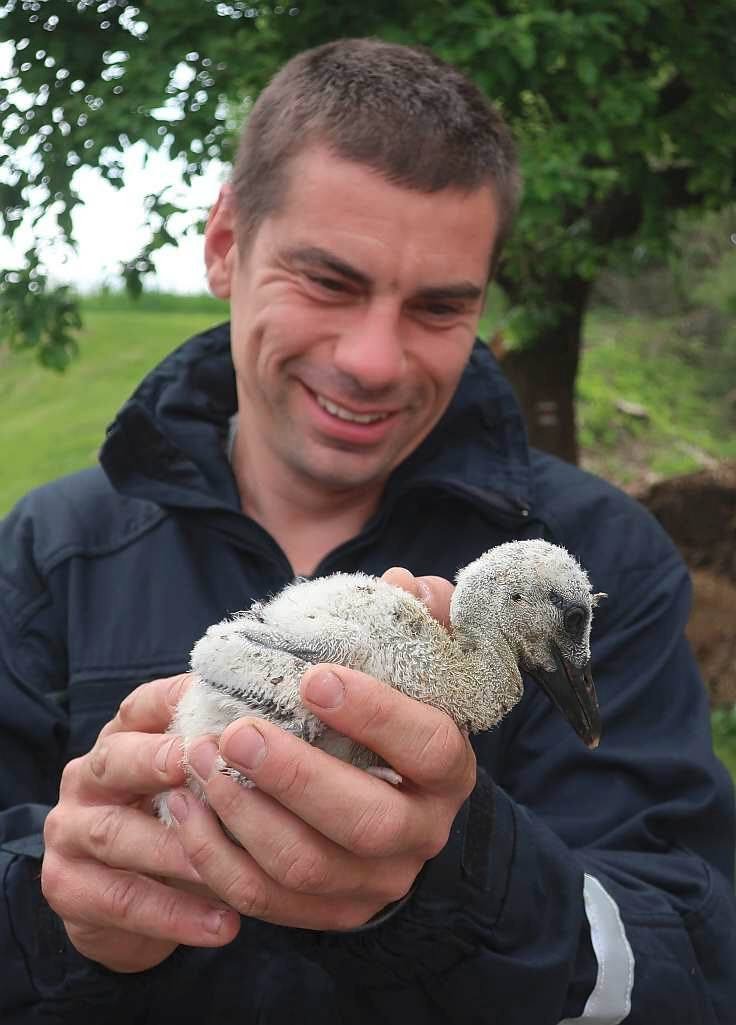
(329,284)
(440,310)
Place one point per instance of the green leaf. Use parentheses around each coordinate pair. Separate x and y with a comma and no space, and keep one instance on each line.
(525,50)
(34,315)
(587,71)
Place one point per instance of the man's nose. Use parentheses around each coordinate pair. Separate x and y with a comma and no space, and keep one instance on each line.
(371,350)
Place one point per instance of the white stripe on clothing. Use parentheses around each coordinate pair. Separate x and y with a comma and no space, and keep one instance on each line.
(610,1001)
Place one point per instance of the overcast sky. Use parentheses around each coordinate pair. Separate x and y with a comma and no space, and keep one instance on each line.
(110,226)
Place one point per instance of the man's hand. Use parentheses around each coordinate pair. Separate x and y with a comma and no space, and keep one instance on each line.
(331,846)
(326,845)
(108,858)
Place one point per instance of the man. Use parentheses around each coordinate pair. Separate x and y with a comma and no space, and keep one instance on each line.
(522,879)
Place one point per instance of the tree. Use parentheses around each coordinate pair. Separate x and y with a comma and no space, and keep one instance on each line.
(624,112)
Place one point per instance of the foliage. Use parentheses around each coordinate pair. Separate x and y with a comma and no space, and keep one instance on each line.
(34,315)
(624,110)
(723,723)
(700,271)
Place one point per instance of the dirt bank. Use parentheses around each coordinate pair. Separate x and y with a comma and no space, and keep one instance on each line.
(699,513)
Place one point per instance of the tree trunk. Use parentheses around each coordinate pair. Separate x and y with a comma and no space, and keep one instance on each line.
(543,373)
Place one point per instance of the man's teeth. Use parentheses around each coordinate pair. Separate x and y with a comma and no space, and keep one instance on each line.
(346,414)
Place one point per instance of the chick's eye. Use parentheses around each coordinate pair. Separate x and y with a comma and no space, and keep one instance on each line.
(516,597)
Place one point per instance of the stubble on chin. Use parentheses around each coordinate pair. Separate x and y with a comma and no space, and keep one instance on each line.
(336,468)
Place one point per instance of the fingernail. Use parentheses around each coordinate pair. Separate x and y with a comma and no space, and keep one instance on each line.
(213,921)
(246,747)
(425,594)
(178,805)
(202,759)
(324,689)
(162,755)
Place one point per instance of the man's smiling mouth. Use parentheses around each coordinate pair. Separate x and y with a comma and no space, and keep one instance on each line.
(346,414)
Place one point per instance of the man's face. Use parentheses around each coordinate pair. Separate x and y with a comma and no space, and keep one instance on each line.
(353,313)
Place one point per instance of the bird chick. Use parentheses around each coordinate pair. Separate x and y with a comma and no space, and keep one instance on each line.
(523,605)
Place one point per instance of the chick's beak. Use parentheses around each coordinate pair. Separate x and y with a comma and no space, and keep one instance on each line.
(570,688)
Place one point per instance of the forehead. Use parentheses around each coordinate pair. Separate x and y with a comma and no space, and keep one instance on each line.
(564,577)
(387,230)
(548,569)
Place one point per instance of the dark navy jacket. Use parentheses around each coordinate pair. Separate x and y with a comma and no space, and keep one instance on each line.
(576,885)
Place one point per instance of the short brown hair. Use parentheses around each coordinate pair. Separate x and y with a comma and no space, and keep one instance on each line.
(399,110)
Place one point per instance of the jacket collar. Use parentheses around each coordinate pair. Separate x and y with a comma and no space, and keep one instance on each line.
(167,444)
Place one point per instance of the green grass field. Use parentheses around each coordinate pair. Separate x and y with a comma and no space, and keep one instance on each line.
(687,398)
(52,424)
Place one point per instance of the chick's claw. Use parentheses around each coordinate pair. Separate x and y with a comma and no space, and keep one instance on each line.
(239,777)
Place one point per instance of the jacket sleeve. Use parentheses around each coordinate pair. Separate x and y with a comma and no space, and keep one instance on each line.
(40,969)
(577,886)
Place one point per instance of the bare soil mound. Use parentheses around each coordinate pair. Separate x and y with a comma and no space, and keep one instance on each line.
(699,513)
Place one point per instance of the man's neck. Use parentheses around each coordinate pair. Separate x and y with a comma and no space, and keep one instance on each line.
(306,520)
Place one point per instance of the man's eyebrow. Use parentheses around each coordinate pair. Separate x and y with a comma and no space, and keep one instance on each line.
(466,290)
(324,259)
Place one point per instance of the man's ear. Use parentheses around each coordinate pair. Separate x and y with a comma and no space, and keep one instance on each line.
(219,243)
